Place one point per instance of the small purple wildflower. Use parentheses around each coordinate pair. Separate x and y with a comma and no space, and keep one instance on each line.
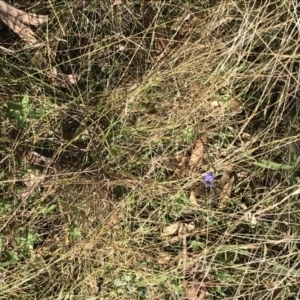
(208,179)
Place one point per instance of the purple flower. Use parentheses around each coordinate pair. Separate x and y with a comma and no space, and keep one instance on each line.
(208,179)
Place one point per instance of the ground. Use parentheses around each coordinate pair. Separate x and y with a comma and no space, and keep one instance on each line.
(150,150)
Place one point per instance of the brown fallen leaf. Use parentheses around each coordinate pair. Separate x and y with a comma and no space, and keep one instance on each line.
(215,104)
(160,42)
(195,290)
(197,154)
(224,179)
(20,21)
(227,188)
(32,181)
(236,105)
(193,199)
(222,106)
(117,2)
(182,162)
(186,227)
(246,136)
(170,229)
(164,259)
(114,219)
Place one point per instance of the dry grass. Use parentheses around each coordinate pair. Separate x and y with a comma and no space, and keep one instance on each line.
(111,215)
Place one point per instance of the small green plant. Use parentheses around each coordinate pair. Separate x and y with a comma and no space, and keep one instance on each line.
(75,232)
(129,283)
(119,127)
(27,241)
(197,245)
(6,206)
(49,210)
(23,112)
(8,258)
(189,135)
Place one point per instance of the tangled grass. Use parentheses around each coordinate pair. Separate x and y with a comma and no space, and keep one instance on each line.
(121,211)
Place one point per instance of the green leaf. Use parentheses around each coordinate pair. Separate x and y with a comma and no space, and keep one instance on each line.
(196,245)
(49,210)
(27,240)
(12,258)
(266,164)
(75,232)
(37,113)
(127,278)
(25,101)
(13,106)
(189,135)
(297,162)
(118,282)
